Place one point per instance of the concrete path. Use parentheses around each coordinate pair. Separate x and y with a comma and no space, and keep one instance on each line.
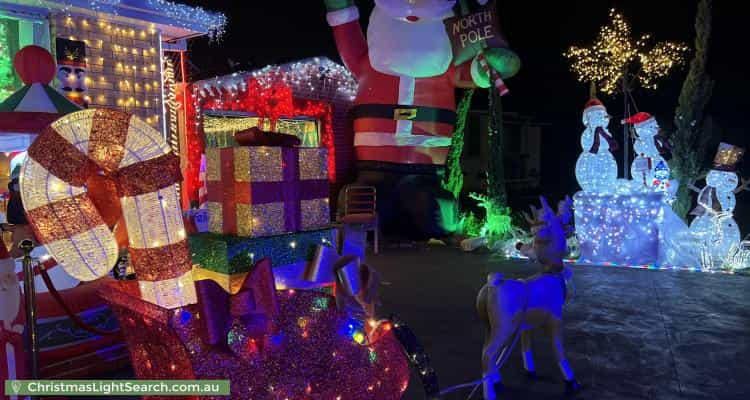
(629,334)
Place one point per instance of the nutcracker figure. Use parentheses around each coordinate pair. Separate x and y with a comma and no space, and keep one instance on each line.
(71,70)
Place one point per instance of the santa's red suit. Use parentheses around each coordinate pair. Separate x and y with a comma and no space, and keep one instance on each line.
(397,119)
(403,121)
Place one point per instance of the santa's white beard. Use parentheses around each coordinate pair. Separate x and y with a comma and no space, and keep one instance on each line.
(419,50)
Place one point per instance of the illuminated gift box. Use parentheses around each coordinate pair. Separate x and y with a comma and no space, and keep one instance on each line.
(262,191)
(621,229)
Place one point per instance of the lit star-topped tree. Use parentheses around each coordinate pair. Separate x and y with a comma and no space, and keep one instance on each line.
(617,61)
(615,55)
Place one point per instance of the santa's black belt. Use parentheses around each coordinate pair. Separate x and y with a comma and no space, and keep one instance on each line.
(405,113)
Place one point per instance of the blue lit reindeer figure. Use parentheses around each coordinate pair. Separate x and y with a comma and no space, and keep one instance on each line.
(513,308)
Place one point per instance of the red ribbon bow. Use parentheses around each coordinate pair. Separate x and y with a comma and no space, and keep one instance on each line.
(255,305)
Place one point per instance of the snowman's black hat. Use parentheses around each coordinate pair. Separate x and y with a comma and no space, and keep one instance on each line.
(727,157)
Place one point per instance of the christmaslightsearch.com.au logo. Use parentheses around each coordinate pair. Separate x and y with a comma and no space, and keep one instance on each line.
(116,388)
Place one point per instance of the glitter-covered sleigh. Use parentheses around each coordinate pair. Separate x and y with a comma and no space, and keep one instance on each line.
(185,323)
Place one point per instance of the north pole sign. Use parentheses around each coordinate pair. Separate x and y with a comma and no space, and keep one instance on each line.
(476,31)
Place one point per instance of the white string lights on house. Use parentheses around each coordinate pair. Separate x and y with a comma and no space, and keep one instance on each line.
(123,64)
(186,16)
(302,76)
(181,15)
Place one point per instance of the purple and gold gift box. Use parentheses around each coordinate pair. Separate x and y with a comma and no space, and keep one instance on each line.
(260,191)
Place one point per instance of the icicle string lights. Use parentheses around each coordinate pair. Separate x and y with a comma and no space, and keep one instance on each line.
(184,16)
(300,75)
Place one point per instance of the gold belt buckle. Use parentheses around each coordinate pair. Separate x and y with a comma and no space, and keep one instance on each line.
(401,114)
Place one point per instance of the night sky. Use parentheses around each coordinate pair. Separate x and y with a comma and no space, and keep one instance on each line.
(267,32)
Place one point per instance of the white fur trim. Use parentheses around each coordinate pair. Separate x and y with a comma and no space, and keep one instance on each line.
(648,121)
(390,139)
(480,78)
(343,16)
(592,108)
(406,85)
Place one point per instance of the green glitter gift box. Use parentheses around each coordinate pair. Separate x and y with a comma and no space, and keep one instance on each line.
(262,190)
(228,254)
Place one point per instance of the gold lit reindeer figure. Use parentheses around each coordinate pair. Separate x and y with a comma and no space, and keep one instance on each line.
(513,308)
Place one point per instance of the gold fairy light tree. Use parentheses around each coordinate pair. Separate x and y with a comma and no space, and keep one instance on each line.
(617,61)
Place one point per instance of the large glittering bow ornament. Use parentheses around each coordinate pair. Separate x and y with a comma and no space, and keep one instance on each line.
(356,283)
(239,316)
(601,133)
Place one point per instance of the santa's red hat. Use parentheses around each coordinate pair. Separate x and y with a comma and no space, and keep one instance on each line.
(639,119)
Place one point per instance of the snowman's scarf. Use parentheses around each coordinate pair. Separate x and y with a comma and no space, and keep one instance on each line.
(662,145)
(601,132)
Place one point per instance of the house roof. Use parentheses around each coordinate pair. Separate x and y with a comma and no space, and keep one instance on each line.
(174,20)
(298,74)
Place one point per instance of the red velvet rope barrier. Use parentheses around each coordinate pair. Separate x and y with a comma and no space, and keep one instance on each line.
(73,316)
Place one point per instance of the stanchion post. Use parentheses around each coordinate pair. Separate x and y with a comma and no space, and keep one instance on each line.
(32,351)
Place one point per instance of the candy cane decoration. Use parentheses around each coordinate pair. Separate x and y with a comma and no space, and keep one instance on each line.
(494,76)
(64,219)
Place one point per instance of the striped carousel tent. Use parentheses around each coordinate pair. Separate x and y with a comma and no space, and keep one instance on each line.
(36,105)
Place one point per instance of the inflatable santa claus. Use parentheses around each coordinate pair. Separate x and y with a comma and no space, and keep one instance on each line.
(405,110)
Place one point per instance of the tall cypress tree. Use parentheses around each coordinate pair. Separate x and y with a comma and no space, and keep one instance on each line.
(496,169)
(453,180)
(691,136)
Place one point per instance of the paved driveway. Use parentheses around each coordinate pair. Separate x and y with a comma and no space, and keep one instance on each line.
(629,333)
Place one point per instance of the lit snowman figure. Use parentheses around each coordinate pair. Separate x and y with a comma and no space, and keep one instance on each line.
(714,227)
(649,167)
(596,168)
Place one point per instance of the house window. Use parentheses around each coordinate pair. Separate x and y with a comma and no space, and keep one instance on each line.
(306,129)
(220,127)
